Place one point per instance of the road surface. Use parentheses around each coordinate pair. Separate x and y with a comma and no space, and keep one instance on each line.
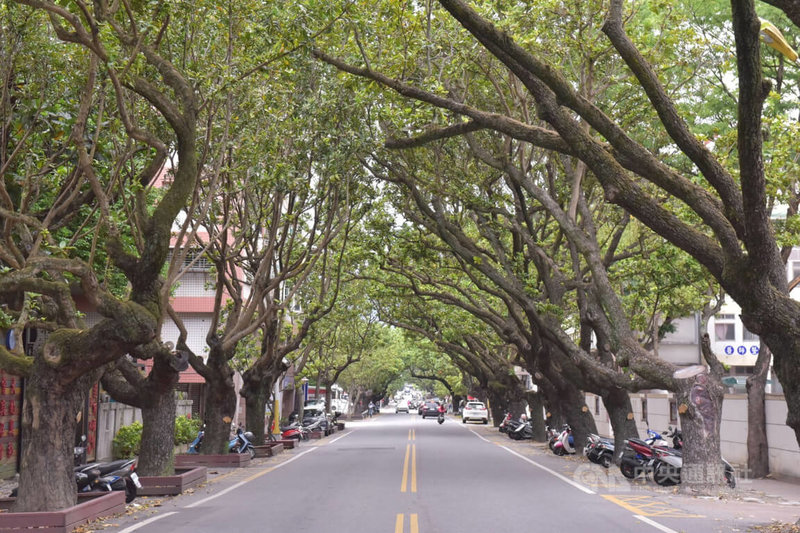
(398,473)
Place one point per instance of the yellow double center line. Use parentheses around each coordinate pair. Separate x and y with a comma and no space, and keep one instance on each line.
(398,524)
(411,451)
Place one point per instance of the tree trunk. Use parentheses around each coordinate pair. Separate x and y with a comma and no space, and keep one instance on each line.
(787,369)
(536,405)
(700,409)
(157,457)
(220,405)
(256,407)
(47,479)
(757,446)
(618,404)
(578,416)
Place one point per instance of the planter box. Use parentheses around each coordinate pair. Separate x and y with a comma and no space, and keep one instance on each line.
(184,478)
(91,506)
(222,460)
(340,426)
(289,444)
(268,450)
(315,435)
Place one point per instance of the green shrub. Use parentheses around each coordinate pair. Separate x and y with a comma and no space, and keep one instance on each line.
(186,429)
(127,441)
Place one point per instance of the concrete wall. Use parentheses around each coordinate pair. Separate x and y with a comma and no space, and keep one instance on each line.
(112,415)
(784,453)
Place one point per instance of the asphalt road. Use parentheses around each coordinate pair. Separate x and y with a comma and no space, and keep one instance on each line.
(398,473)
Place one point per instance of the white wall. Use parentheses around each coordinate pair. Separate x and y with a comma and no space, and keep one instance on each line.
(113,415)
(784,454)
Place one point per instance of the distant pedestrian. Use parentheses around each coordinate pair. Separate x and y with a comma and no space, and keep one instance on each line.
(371,408)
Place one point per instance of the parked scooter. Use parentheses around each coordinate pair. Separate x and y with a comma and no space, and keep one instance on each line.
(565,443)
(599,450)
(79,452)
(554,434)
(194,446)
(523,431)
(242,443)
(108,476)
(294,430)
(503,427)
(663,462)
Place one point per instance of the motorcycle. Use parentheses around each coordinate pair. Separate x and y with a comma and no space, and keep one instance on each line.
(599,450)
(295,430)
(503,427)
(109,476)
(194,446)
(565,443)
(664,463)
(553,435)
(242,443)
(440,418)
(523,431)
(667,465)
(79,452)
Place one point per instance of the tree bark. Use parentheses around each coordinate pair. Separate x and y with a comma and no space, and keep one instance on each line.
(757,445)
(618,405)
(157,457)
(220,403)
(700,409)
(256,406)
(48,430)
(536,406)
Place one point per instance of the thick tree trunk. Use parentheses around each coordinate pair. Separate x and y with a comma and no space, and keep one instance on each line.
(700,409)
(787,369)
(757,446)
(157,457)
(256,406)
(47,479)
(620,412)
(536,405)
(579,417)
(220,405)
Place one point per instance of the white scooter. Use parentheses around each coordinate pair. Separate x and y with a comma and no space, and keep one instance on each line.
(564,443)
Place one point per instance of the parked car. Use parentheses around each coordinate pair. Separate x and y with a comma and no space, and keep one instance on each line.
(429,409)
(402,406)
(315,406)
(475,411)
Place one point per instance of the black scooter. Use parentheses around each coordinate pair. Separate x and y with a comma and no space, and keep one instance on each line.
(106,477)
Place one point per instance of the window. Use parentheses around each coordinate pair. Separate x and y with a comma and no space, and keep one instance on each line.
(749,335)
(725,328)
(673,411)
(198,262)
(644,409)
(795,270)
(597,405)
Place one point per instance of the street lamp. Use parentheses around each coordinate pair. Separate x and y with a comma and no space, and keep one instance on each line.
(772,37)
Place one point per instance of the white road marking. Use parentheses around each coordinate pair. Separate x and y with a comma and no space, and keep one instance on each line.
(343,436)
(148,521)
(236,486)
(552,472)
(655,524)
(480,436)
